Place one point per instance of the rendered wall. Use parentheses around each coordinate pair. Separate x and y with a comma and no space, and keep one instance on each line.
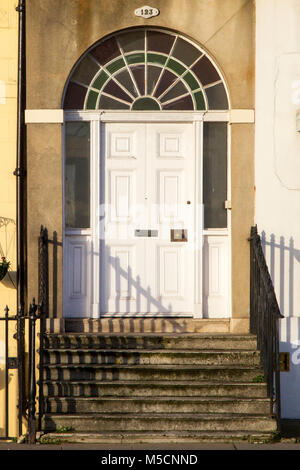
(277,171)
(225,28)
(8,126)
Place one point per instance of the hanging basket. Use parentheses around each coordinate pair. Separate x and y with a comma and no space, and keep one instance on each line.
(4,265)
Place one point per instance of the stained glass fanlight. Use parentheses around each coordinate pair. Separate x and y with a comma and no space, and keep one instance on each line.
(145,69)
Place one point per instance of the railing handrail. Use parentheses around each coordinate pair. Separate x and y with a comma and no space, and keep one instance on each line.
(264,317)
(264,271)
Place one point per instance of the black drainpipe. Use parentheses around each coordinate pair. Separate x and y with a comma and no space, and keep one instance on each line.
(21,164)
(20,173)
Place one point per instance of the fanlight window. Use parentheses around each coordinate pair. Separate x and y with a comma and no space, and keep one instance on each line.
(145,69)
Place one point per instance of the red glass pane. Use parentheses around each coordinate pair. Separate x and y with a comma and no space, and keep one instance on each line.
(75,95)
(113,89)
(160,42)
(106,51)
(205,71)
(165,81)
(185,103)
(138,72)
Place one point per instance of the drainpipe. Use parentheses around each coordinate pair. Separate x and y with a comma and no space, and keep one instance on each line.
(20,169)
(21,212)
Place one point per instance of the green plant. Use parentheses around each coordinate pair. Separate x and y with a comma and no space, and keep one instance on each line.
(4,265)
(258,379)
(62,429)
(50,440)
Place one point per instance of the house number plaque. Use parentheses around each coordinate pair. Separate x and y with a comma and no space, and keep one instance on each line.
(146,12)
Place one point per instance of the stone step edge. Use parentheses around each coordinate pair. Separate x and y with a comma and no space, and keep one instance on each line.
(167,383)
(156,366)
(181,399)
(167,436)
(158,416)
(153,351)
(229,336)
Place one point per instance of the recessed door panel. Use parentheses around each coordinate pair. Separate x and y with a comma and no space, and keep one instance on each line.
(170,196)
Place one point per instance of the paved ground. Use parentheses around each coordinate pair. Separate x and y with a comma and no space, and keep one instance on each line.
(288,444)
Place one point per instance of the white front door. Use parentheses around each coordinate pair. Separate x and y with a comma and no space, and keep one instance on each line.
(147,220)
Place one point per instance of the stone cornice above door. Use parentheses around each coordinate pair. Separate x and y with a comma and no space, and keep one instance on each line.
(234,116)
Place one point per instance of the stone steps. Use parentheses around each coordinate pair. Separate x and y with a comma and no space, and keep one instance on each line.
(133,357)
(156,437)
(162,387)
(153,372)
(123,422)
(158,404)
(151,341)
(143,324)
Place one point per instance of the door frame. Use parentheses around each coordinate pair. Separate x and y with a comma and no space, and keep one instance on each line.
(92,236)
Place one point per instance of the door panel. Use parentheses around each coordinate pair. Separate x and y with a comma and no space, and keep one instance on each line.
(121,254)
(149,177)
(171,164)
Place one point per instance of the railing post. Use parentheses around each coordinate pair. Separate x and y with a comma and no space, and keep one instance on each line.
(43,301)
(6,374)
(41,368)
(43,298)
(32,375)
(21,378)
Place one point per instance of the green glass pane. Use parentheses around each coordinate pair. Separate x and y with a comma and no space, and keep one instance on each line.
(132,41)
(135,58)
(100,80)
(92,100)
(176,66)
(116,65)
(156,59)
(145,103)
(200,103)
(191,81)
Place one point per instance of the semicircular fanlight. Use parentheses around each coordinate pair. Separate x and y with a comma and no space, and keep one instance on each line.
(145,69)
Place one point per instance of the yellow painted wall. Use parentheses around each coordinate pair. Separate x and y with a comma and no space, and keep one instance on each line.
(8,129)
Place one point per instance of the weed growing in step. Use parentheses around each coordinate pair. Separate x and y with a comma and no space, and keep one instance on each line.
(63,429)
(258,379)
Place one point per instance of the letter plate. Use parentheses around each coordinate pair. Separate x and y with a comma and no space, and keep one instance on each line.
(146,233)
(178,235)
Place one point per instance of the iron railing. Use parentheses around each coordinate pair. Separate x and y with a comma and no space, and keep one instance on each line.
(26,369)
(264,319)
(43,274)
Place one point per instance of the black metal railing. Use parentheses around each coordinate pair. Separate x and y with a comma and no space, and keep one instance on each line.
(43,274)
(43,270)
(26,369)
(264,319)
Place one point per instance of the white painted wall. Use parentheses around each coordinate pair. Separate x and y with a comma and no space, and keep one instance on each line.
(277,171)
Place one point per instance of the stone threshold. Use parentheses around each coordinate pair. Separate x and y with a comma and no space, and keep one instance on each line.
(126,325)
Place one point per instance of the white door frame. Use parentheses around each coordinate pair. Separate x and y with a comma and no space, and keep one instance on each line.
(90,238)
